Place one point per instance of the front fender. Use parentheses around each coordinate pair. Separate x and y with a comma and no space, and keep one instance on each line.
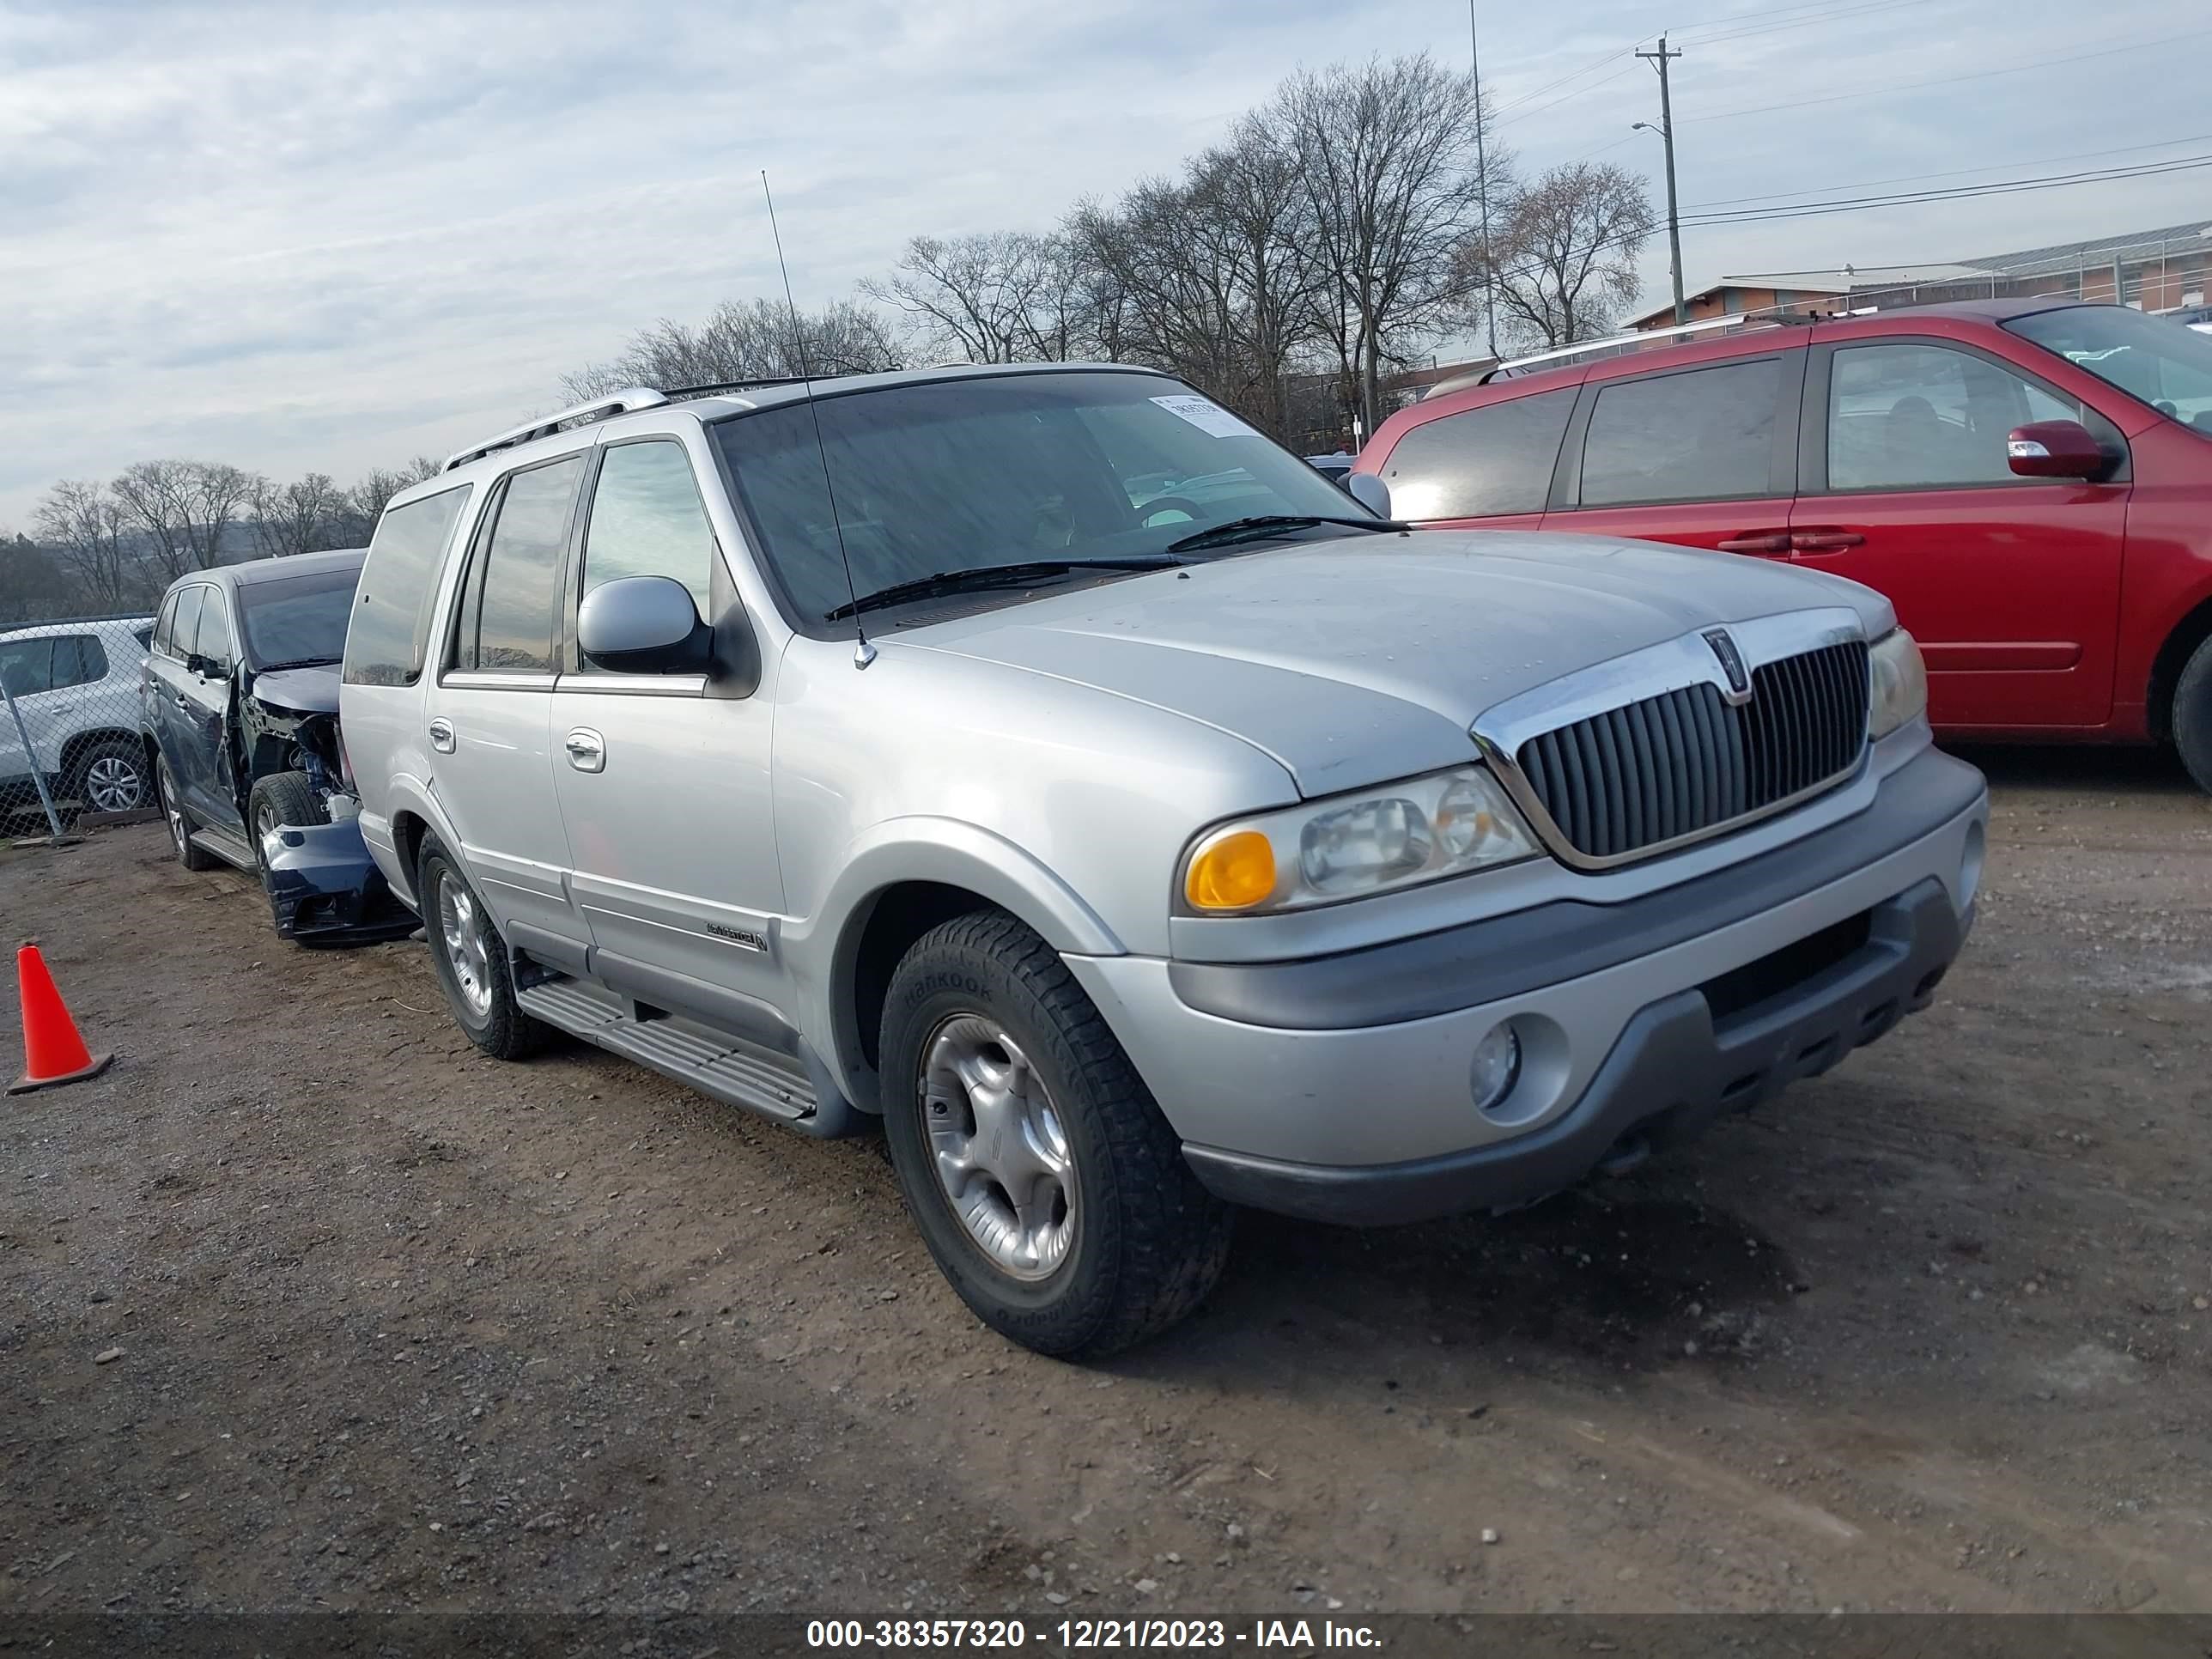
(819,951)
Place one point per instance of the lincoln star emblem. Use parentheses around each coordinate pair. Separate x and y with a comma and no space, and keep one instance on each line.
(1731,660)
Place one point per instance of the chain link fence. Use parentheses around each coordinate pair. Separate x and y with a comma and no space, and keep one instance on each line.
(70,748)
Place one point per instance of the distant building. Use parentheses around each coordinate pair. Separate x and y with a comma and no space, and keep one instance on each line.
(1732,296)
(2168,269)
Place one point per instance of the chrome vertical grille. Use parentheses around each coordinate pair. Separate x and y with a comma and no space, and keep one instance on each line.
(1687,761)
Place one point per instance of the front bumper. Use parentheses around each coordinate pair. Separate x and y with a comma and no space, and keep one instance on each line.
(1338,1088)
(324,888)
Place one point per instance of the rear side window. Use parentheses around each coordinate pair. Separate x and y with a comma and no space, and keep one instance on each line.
(165,628)
(1704,435)
(79,659)
(389,634)
(506,618)
(27,666)
(1494,459)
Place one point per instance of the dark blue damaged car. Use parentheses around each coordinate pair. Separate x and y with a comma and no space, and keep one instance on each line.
(238,713)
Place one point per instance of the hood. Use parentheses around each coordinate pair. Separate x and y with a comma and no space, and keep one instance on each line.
(1363,658)
(307,690)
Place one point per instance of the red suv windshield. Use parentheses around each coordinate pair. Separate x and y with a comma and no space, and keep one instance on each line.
(2167,366)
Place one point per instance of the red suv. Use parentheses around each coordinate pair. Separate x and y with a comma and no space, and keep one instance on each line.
(2029,483)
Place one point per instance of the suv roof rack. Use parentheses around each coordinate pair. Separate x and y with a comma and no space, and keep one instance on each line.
(1775,317)
(716,388)
(617,402)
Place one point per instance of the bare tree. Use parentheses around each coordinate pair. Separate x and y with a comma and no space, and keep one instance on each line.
(184,507)
(995,297)
(304,516)
(1209,274)
(365,503)
(745,340)
(1564,261)
(1386,155)
(84,527)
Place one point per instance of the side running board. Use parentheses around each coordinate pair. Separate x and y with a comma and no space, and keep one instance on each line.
(232,850)
(736,1073)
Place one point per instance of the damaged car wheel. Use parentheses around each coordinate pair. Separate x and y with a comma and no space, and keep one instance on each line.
(471,960)
(280,798)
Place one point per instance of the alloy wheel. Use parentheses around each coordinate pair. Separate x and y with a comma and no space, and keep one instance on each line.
(112,784)
(461,933)
(998,1147)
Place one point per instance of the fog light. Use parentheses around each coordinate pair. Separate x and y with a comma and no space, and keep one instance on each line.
(1970,867)
(1497,1066)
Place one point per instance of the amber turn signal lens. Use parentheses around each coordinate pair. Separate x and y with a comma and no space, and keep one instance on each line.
(1233,874)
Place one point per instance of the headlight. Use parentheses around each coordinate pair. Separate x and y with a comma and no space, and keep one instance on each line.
(1900,684)
(1423,830)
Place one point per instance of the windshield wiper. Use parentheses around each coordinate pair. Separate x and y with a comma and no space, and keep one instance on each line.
(991,575)
(296,662)
(1266,523)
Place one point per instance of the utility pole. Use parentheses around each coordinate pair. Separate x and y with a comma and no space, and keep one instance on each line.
(1660,60)
(1482,186)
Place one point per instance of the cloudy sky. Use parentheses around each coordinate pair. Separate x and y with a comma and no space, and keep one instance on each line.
(327,236)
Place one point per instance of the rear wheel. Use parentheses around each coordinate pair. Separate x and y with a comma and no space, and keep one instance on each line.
(1049,1189)
(280,798)
(471,959)
(2192,715)
(111,777)
(180,827)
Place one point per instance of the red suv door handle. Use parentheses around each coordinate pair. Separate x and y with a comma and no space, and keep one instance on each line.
(1772,541)
(1825,541)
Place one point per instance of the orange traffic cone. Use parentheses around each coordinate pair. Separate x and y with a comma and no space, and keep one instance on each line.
(53,1053)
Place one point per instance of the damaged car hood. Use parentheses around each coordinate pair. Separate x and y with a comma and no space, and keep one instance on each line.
(1356,660)
(312,690)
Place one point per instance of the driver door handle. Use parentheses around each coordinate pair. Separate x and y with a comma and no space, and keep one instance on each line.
(441,736)
(587,750)
(1763,541)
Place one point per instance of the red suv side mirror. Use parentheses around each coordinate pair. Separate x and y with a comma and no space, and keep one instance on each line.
(2054,449)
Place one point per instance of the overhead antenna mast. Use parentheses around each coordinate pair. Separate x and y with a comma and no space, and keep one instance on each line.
(863,652)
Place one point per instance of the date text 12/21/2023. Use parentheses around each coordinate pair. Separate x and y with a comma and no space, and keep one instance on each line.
(1085,1635)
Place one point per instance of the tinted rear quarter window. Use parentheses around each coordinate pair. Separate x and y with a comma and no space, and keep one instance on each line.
(1494,459)
(1700,435)
(386,639)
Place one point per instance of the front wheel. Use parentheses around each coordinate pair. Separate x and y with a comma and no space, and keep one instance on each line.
(281,798)
(1049,1189)
(2192,715)
(471,959)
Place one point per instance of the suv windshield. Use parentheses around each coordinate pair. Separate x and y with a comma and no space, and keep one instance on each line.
(295,620)
(938,478)
(2154,358)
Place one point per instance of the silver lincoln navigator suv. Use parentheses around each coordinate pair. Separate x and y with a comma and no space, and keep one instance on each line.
(1039,765)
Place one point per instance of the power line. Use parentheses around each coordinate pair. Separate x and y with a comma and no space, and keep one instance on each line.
(2012,187)
(1950,80)
(1953,173)
(1962,193)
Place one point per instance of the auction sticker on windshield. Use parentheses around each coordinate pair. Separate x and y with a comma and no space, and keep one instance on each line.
(1205,416)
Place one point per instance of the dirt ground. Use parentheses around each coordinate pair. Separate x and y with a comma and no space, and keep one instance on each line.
(402,1326)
